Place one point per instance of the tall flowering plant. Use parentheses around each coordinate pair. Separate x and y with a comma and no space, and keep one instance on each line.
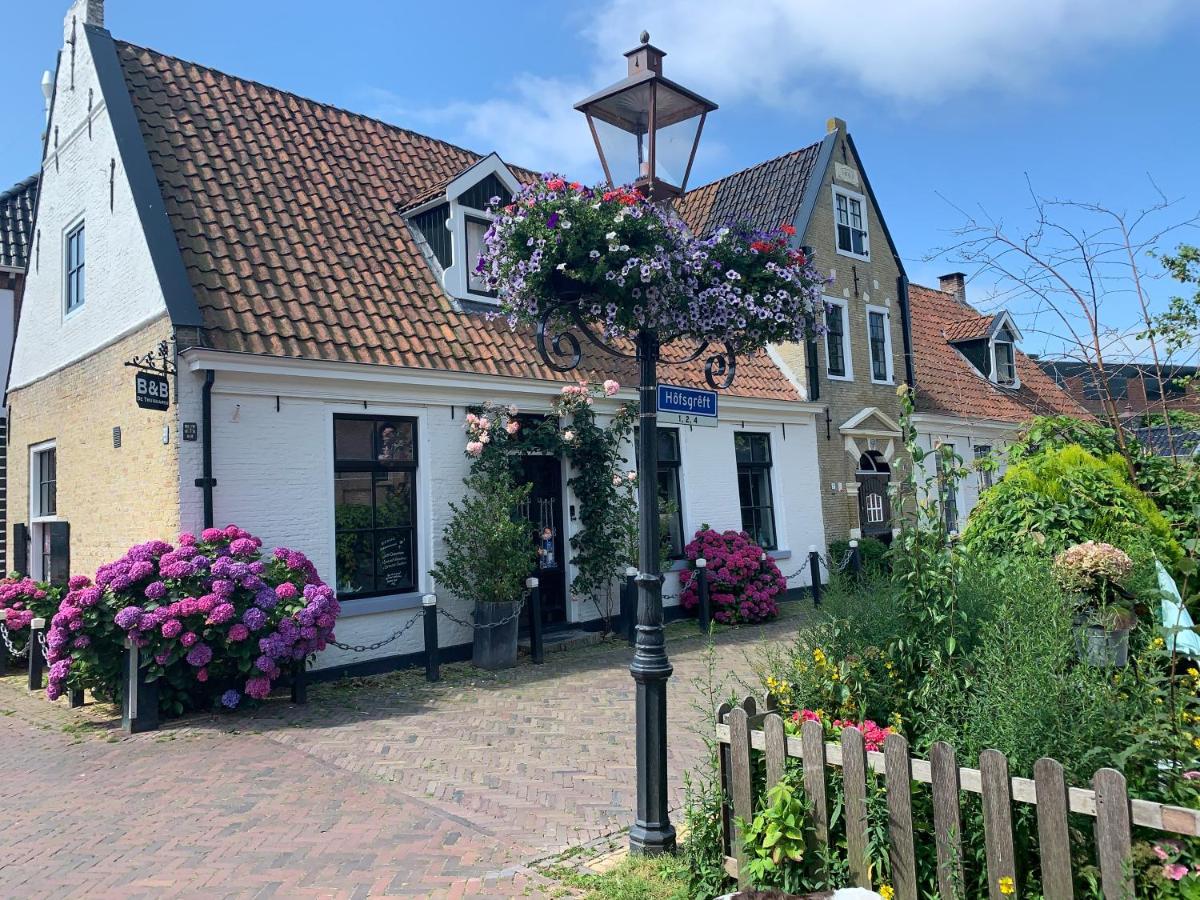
(24,600)
(216,617)
(743,581)
(637,266)
(1094,571)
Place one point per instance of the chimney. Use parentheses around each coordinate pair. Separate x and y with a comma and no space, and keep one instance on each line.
(955,283)
(835,124)
(82,12)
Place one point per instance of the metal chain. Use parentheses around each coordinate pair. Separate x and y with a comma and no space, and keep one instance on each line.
(396,635)
(829,566)
(465,624)
(12,651)
(41,638)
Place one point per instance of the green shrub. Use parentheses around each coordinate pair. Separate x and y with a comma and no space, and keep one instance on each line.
(1059,497)
(872,550)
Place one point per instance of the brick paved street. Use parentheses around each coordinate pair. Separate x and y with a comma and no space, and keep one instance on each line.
(381,787)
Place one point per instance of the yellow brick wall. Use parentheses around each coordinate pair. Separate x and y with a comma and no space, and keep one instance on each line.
(113,497)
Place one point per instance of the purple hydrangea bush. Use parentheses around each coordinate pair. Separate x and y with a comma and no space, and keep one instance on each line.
(743,582)
(215,617)
(24,600)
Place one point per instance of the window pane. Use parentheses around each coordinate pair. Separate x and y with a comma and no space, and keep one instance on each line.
(834,342)
(858,242)
(476,228)
(668,445)
(393,500)
(352,439)
(843,215)
(355,563)
(878,346)
(844,239)
(669,504)
(352,501)
(856,215)
(394,441)
(393,560)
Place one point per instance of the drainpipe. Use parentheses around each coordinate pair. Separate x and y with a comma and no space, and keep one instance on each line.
(206,481)
(906,321)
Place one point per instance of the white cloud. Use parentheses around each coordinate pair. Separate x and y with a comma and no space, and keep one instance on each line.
(785,52)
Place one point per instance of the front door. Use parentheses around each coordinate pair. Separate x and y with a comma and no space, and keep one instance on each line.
(874,504)
(543,510)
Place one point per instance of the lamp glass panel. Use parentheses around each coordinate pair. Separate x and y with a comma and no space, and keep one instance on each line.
(673,149)
(624,151)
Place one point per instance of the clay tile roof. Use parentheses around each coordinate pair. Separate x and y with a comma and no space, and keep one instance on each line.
(287,214)
(947,384)
(969,329)
(764,196)
(16,223)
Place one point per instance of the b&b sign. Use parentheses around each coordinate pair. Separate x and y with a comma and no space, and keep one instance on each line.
(686,406)
(153,391)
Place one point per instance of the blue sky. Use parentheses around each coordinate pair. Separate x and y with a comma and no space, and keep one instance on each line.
(951,104)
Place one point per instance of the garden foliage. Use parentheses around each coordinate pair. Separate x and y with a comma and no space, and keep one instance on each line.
(216,619)
(24,600)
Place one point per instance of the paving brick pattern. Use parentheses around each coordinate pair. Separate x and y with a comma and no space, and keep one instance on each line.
(380,787)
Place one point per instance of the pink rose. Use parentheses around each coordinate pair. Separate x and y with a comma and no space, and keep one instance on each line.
(611,388)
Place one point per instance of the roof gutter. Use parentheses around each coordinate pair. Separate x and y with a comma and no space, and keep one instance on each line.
(206,482)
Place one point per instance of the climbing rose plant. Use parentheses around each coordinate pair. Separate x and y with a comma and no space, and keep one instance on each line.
(742,581)
(637,266)
(216,618)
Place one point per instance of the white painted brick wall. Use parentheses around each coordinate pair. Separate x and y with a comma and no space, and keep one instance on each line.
(121,287)
(274,476)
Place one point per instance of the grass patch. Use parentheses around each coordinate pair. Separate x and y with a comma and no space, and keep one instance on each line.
(634,878)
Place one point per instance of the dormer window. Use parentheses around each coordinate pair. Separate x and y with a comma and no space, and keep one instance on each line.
(1006,364)
(453,226)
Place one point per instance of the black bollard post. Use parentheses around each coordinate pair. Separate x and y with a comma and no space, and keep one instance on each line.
(631,592)
(300,682)
(814,570)
(36,658)
(536,650)
(4,660)
(139,698)
(433,670)
(702,593)
(855,559)
(75,697)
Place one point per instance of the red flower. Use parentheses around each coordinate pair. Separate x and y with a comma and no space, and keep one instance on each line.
(789,230)
(629,199)
(575,185)
(762,246)
(799,258)
(556,184)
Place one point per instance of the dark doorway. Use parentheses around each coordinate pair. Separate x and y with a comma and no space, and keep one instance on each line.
(543,510)
(874,504)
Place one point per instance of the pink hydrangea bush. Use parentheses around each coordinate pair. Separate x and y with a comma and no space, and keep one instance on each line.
(214,616)
(24,600)
(742,582)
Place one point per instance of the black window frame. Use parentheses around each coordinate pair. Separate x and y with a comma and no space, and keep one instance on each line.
(878,343)
(840,334)
(850,230)
(74,257)
(946,497)
(756,466)
(668,476)
(978,452)
(376,467)
(46,461)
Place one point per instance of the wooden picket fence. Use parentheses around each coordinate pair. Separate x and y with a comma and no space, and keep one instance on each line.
(742,730)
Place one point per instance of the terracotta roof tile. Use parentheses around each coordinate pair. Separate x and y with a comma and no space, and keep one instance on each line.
(973,328)
(947,384)
(287,211)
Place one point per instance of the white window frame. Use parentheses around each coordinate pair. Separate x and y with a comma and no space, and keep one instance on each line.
(887,345)
(38,522)
(847,344)
(456,278)
(76,224)
(866,229)
(1016,382)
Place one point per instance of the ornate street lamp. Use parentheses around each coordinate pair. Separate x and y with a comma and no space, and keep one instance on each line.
(646,127)
(646,130)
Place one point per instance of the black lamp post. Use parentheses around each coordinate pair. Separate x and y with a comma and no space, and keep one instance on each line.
(646,129)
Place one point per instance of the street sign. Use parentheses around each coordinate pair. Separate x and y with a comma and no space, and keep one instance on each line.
(152,391)
(686,406)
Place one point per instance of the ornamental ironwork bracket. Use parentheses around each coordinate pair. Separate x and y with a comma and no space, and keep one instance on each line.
(160,360)
(562,351)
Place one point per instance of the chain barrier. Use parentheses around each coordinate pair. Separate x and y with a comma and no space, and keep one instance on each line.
(13,652)
(395,636)
(828,562)
(41,637)
(465,624)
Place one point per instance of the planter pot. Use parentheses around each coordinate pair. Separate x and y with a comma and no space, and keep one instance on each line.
(496,646)
(1103,648)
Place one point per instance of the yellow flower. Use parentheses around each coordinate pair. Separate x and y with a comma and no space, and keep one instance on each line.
(1196,743)
(1158,643)
(1006,885)
(886,892)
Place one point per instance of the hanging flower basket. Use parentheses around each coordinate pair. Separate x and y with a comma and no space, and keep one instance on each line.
(562,254)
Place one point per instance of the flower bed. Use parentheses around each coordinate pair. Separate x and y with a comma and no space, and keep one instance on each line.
(217,620)
(24,600)
(743,582)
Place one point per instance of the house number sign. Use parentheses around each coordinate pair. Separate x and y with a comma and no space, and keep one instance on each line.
(152,390)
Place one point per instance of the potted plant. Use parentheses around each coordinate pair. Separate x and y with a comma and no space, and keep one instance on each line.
(1093,572)
(489,552)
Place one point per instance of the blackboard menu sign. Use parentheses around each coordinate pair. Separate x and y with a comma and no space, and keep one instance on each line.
(394,560)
